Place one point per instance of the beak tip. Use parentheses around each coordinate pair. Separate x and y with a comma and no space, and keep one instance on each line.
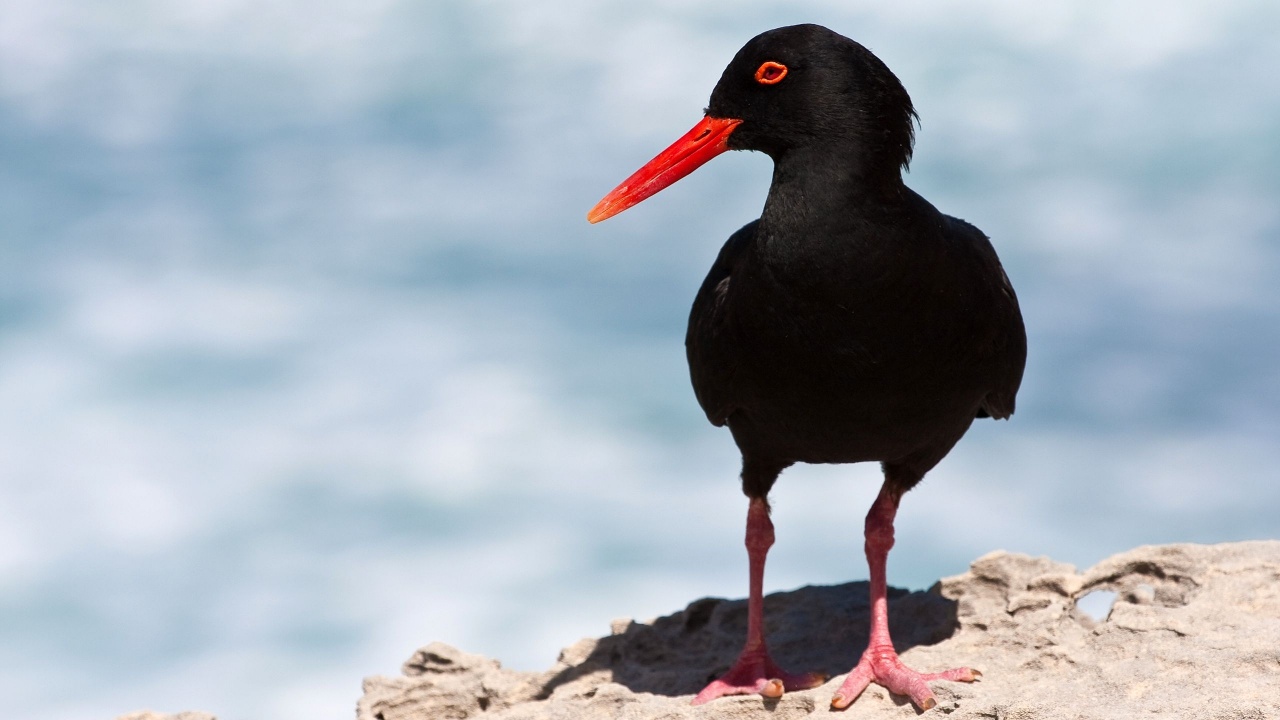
(602,211)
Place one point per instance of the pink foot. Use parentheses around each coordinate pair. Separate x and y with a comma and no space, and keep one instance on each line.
(882,666)
(755,672)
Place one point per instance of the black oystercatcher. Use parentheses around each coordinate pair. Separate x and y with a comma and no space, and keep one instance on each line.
(852,322)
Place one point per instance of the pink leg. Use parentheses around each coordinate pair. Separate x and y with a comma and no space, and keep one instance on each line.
(880,663)
(755,671)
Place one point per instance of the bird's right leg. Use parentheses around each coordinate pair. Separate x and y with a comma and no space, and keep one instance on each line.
(880,663)
(755,671)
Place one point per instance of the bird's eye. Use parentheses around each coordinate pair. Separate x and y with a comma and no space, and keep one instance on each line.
(771,73)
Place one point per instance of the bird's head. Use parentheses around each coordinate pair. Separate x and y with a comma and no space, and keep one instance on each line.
(795,87)
(805,85)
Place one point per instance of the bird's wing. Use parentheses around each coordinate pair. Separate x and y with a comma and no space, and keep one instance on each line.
(1007,340)
(711,366)
(1012,357)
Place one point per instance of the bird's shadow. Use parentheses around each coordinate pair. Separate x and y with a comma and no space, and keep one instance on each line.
(816,628)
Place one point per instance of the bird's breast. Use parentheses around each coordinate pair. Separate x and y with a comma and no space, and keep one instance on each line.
(836,364)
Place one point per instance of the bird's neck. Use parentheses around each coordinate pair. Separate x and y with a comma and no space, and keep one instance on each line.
(824,193)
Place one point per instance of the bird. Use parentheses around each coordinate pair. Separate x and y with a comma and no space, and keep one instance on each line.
(851,322)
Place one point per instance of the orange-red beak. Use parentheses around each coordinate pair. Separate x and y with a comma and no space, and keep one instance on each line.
(706,140)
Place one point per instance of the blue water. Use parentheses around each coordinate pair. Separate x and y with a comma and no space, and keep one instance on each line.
(309,357)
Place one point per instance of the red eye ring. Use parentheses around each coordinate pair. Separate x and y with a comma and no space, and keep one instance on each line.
(771,73)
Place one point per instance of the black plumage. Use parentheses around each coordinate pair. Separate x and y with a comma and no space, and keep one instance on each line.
(852,321)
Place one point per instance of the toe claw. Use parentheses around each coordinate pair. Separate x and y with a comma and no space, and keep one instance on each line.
(839,702)
(928,703)
(755,673)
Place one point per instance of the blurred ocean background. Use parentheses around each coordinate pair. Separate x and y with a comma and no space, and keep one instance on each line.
(308,355)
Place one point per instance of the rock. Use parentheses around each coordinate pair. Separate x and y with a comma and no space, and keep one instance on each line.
(453,684)
(1194,632)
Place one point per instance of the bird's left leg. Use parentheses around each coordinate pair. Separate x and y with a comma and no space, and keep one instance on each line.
(755,671)
(880,663)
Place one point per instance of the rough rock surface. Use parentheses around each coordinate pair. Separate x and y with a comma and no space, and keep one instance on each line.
(1194,632)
